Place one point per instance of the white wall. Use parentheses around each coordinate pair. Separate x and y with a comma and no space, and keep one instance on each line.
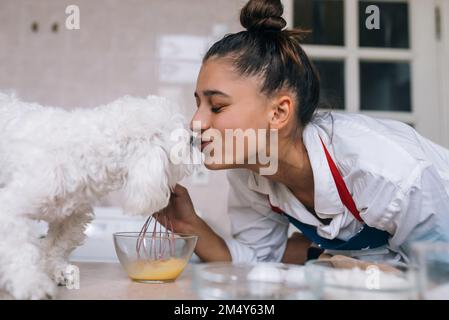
(444,70)
(132,47)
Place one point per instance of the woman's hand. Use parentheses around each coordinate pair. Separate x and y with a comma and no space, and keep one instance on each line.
(180,213)
(183,219)
(344,262)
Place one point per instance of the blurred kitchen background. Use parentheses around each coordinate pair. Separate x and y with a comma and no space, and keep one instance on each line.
(141,47)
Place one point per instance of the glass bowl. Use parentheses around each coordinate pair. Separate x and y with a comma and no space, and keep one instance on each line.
(392,281)
(159,259)
(230,281)
(432,259)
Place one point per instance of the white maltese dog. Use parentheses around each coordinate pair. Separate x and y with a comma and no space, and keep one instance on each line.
(54,164)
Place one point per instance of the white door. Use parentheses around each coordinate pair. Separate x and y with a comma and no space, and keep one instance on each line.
(387,70)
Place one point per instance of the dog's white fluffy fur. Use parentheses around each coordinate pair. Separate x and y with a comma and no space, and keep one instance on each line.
(54,164)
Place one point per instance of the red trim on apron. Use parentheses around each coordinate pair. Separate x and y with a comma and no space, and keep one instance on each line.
(343,191)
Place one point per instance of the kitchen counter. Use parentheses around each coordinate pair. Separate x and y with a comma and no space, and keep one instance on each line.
(110,281)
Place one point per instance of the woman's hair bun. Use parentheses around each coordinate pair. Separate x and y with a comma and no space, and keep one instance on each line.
(263,15)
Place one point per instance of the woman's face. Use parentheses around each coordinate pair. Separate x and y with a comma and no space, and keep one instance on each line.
(225,102)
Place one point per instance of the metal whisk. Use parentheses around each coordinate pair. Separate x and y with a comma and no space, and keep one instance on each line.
(161,244)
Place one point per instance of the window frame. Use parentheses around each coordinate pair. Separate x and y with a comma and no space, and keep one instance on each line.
(422,55)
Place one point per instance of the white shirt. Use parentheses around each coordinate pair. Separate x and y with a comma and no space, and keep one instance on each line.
(399,181)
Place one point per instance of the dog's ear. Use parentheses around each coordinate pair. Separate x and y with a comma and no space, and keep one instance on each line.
(147,188)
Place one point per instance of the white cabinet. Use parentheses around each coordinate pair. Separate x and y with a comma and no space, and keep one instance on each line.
(99,245)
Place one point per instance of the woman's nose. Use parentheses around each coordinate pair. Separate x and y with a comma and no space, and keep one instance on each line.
(200,121)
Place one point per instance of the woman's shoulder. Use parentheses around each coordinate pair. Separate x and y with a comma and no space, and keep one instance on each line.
(364,145)
(355,123)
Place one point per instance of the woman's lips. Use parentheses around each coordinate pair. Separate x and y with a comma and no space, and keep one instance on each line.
(204,144)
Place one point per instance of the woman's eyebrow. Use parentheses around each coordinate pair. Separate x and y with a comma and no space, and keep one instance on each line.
(209,93)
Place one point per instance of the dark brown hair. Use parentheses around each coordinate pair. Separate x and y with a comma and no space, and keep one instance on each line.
(275,55)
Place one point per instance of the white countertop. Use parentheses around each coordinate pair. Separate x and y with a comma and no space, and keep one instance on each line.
(109,281)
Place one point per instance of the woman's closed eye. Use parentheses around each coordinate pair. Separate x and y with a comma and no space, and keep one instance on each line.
(216,109)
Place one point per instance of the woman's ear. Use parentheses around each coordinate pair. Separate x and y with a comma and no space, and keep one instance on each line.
(281,111)
(147,188)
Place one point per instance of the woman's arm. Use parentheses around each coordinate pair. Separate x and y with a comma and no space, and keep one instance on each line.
(257,233)
(296,249)
(210,246)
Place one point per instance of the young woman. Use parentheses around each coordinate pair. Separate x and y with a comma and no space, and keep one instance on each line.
(351,184)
